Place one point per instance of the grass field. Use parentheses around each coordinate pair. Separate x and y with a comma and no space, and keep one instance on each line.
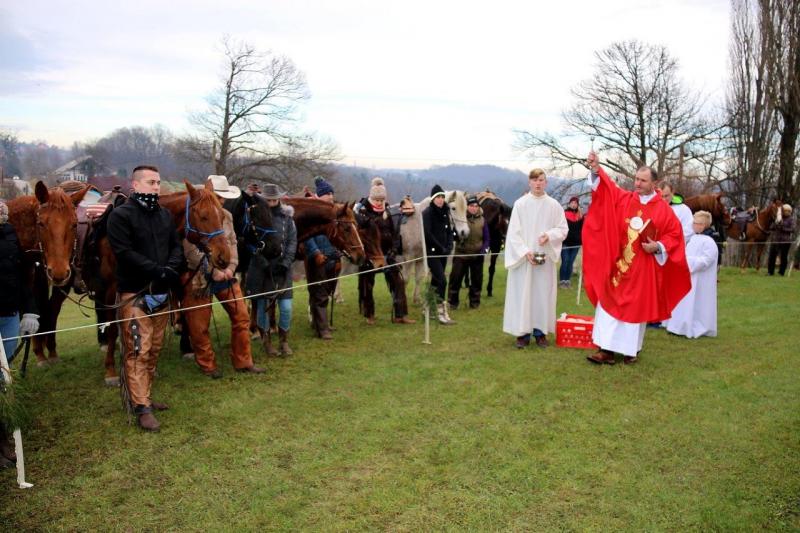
(377,431)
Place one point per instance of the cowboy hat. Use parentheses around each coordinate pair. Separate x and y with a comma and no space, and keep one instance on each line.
(223,188)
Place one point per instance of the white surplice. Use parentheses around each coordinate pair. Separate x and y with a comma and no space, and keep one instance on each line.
(686,218)
(531,289)
(696,314)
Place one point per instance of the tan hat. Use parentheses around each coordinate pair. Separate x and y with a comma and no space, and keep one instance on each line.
(223,188)
(377,192)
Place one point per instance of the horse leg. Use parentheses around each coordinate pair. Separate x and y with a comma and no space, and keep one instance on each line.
(56,301)
(102,335)
(490,283)
(419,279)
(759,252)
(41,293)
(111,377)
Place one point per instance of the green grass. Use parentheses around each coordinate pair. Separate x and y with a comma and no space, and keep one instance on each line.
(377,431)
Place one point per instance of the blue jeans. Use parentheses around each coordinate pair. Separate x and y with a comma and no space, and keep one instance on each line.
(568,256)
(284,310)
(9,327)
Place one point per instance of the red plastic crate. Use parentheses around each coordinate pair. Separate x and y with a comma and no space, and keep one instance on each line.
(570,334)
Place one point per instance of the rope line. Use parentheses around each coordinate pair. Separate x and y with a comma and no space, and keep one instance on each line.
(103,325)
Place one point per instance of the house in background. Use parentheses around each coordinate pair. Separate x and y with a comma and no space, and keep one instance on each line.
(80,169)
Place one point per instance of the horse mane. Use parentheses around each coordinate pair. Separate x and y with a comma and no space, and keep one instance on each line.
(60,200)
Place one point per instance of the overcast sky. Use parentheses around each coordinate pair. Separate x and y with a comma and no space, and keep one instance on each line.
(401,84)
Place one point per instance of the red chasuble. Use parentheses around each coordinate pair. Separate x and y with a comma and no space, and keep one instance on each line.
(617,272)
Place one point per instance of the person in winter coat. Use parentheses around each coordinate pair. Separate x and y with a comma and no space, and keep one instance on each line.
(782,237)
(375,210)
(203,283)
(149,258)
(323,264)
(265,275)
(470,254)
(572,244)
(439,243)
(18,314)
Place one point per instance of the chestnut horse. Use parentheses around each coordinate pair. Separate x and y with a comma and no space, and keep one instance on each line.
(757,233)
(199,208)
(337,221)
(714,205)
(46,225)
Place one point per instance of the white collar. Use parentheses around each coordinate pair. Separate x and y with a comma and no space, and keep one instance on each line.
(646,198)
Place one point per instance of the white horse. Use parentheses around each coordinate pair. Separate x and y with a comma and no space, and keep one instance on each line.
(411,234)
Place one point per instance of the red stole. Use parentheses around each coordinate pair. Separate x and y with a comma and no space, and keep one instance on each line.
(617,272)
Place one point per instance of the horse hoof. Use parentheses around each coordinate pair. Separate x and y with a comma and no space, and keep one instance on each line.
(41,362)
(103,349)
(112,381)
(53,361)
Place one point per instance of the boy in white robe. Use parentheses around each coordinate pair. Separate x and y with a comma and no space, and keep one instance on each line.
(533,247)
(696,314)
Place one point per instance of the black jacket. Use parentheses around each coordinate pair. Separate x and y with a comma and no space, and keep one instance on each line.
(143,242)
(438,231)
(15,293)
(575,228)
(391,245)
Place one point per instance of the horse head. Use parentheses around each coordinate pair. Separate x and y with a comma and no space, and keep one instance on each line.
(721,210)
(371,237)
(256,226)
(457,201)
(203,223)
(346,236)
(56,230)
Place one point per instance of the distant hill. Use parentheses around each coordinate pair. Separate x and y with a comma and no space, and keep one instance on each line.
(353,183)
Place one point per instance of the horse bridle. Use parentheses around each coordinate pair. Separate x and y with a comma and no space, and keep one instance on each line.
(350,246)
(40,249)
(259,231)
(188,227)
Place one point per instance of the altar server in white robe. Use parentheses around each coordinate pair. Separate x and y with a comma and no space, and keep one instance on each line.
(696,314)
(533,247)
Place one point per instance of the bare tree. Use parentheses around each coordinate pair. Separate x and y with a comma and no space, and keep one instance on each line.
(249,127)
(781,34)
(125,148)
(9,156)
(752,119)
(38,158)
(638,111)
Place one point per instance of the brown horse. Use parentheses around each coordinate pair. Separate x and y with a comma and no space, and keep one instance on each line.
(46,225)
(337,221)
(197,206)
(714,205)
(497,214)
(757,233)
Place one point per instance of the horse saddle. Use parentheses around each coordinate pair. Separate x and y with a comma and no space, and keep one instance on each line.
(92,215)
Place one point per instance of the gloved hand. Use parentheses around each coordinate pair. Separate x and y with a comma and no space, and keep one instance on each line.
(29,324)
(320,259)
(168,275)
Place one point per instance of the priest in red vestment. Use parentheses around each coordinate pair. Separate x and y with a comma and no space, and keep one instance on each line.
(634,262)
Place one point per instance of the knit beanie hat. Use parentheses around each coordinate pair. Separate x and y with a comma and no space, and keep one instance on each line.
(436,191)
(323,187)
(377,193)
(3,212)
